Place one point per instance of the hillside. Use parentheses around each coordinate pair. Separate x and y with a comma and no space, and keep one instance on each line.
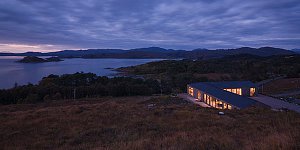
(129,123)
(176,74)
(157,52)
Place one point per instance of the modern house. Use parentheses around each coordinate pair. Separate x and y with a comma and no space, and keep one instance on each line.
(224,95)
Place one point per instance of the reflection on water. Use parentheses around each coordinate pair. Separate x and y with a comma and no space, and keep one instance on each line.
(12,72)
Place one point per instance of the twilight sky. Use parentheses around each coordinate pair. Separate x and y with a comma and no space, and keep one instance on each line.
(50,25)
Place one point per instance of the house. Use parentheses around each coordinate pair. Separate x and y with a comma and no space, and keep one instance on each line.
(224,95)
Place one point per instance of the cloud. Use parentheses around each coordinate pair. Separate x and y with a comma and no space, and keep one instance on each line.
(178,24)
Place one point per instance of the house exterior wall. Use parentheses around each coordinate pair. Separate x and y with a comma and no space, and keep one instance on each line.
(201,96)
(245,91)
(195,93)
(188,90)
(256,91)
(224,105)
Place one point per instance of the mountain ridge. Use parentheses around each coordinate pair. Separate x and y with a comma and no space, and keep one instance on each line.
(158,52)
(297,50)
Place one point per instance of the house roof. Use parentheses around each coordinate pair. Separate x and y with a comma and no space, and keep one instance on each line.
(219,93)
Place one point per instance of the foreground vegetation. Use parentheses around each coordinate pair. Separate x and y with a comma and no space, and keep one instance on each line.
(176,74)
(129,123)
(78,85)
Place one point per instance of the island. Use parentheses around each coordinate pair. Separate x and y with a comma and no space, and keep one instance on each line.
(34,59)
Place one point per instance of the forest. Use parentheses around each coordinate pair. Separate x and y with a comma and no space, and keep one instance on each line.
(78,85)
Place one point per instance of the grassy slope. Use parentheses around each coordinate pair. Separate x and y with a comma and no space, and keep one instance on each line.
(282,85)
(127,123)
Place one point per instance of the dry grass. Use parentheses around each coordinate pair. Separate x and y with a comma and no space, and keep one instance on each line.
(282,85)
(127,123)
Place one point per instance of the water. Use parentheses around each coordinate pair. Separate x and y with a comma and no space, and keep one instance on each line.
(12,72)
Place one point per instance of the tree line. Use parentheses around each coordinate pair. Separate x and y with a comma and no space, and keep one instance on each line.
(78,85)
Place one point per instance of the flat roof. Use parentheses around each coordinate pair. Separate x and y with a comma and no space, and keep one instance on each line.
(219,93)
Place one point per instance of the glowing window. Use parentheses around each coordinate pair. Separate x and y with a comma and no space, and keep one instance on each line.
(252,91)
(219,104)
(225,106)
(205,98)
(235,91)
(209,100)
(191,91)
(239,91)
(199,95)
(213,102)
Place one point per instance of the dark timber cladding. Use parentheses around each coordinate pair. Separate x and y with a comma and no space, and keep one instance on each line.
(219,91)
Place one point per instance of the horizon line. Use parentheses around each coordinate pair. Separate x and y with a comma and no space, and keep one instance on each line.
(85,49)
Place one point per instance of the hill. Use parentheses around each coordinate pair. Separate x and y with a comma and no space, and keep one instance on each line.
(176,74)
(129,123)
(157,52)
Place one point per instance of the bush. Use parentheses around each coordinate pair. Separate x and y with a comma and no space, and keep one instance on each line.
(32,98)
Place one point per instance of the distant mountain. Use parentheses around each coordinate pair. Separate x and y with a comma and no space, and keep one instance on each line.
(152,49)
(264,52)
(5,52)
(81,53)
(296,50)
(157,52)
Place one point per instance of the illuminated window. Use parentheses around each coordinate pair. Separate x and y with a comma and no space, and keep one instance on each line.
(229,90)
(239,91)
(214,102)
(235,91)
(191,91)
(219,104)
(225,106)
(229,107)
(199,95)
(252,91)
